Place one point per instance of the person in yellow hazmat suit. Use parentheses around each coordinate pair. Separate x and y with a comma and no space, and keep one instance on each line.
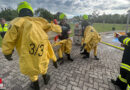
(62,49)
(84,24)
(29,35)
(90,40)
(65,42)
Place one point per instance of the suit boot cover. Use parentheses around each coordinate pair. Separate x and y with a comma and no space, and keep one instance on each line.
(84,52)
(46,78)
(69,57)
(35,85)
(96,58)
(60,60)
(119,83)
(86,56)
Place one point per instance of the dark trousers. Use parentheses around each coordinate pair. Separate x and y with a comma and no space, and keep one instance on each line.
(125,74)
(2,34)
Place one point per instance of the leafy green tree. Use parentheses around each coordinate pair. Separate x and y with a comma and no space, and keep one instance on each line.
(8,14)
(44,13)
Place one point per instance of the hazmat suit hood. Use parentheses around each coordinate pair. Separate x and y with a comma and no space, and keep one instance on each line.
(24,9)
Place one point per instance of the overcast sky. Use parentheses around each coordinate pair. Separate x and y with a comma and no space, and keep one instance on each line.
(75,7)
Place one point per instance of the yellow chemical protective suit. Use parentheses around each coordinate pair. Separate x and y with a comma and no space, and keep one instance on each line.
(65,47)
(91,39)
(28,35)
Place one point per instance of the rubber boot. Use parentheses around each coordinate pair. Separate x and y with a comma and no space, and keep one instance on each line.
(62,61)
(59,59)
(86,56)
(96,58)
(35,85)
(69,57)
(46,78)
(114,82)
(120,84)
(83,53)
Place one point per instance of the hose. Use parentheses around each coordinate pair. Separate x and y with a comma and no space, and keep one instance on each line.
(113,46)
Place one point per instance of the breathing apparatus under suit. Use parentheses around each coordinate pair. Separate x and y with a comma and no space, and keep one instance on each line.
(90,41)
(84,24)
(123,80)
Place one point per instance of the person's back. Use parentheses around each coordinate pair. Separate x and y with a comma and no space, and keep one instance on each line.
(91,36)
(29,35)
(34,31)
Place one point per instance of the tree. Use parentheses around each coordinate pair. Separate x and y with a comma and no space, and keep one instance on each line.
(44,13)
(95,15)
(8,14)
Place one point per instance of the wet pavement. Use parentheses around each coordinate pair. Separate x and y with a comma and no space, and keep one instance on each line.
(81,74)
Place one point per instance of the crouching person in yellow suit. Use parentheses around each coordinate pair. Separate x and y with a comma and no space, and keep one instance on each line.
(65,42)
(29,35)
(65,47)
(90,41)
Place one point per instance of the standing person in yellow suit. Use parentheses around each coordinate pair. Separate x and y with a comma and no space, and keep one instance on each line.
(90,40)
(29,35)
(3,27)
(65,41)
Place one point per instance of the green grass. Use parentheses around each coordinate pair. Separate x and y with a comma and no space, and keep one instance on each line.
(100,27)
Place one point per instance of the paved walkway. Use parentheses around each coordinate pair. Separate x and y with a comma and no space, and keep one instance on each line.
(81,74)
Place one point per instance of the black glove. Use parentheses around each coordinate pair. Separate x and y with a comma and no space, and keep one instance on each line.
(8,57)
(121,38)
(55,64)
(82,47)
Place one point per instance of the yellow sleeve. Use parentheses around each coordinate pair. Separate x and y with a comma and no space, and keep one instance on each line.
(59,43)
(51,53)
(53,27)
(9,41)
(49,26)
